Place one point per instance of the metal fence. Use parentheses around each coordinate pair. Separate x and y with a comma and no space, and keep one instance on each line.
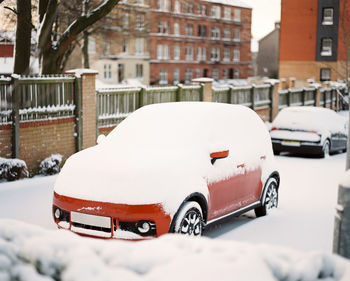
(37,98)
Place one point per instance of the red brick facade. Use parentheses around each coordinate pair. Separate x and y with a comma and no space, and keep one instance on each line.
(5,141)
(222,67)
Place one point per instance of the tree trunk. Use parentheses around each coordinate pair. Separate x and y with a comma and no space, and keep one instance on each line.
(23,37)
(85,49)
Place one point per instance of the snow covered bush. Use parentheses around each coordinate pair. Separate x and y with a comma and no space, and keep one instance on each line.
(30,253)
(51,165)
(12,169)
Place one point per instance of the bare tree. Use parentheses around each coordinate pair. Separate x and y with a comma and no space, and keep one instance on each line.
(54,47)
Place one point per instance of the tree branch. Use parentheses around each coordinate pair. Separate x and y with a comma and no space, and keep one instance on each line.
(47,23)
(11,9)
(84,21)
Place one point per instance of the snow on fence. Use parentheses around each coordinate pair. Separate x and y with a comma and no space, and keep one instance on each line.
(37,98)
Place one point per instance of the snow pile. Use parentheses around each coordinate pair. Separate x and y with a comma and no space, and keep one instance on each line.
(12,169)
(51,165)
(31,253)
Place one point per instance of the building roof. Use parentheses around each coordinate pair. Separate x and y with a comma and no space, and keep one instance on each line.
(235,3)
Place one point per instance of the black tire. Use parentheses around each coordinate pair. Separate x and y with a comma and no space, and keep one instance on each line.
(326,149)
(270,200)
(189,219)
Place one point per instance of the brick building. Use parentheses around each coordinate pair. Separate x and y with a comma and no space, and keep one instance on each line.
(315,39)
(199,38)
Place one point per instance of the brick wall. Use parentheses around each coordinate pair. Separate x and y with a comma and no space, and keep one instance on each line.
(40,139)
(5,141)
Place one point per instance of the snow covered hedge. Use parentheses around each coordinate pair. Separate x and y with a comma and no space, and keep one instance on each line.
(12,169)
(51,165)
(30,253)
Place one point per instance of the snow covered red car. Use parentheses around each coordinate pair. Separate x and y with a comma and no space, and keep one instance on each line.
(312,130)
(171,167)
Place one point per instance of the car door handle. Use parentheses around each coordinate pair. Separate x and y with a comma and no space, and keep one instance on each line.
(240,166)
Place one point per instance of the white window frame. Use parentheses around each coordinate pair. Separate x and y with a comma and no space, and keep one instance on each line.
(163,27)
(176,52)
(236,55)
(189,29)
(236,73)
(188,75)
(139,71)
(140,22)
(162,52)
(91,45)
(227,34)
(227,13)
(327,16)
(189,53)
(237,35)
(215,11)
(215,54)
(201,53)
(215,32)
(176,76)
(176,28)
(325,74)
(125,19)
(326,47)
(163,5)
(227,54)
(237,15)
(198,72)
(107,71)
(216,74)
(163,76)
(125,46)
(140,46)
(177,6)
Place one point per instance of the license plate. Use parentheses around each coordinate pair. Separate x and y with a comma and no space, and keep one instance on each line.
(91,219)
(291,143)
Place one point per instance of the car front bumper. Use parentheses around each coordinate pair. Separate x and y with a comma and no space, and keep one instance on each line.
(301,147)
(104,220)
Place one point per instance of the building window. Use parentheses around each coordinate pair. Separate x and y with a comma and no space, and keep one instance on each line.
(327,16)
(140,42)
(215,54)
(176,29)
(325,74)
(125,46)
(91,45)
(189,53)
(176,76)
(189,8)
(163,76)
(140,22)
(139,70)
(236,55)
(201,54)
(163,27)
(216,74)
(202,31)
(326,47)
(106,47)
(162,52)
(237,35)
(107,71)
(227,34)
(227,13)
(120,72)
(198,73)
(177,7)
(224,74)
(237,15)
(215,32)
(237,73)
(163,5)
(227,54)
(215,11)
(176,52)
(202,10)
(188,75)
(125,19)
(189,29)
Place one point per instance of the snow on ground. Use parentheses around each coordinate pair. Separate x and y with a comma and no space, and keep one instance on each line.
(28,252)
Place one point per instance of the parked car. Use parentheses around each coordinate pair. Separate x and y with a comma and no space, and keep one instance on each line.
(171,167)
(311,130)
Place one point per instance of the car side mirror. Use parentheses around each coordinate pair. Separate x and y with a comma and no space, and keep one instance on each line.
(218,155)
(100,139)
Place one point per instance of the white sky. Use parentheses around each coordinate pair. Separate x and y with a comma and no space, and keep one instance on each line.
(265,14)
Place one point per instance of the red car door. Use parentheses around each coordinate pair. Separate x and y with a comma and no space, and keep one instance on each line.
(236,192)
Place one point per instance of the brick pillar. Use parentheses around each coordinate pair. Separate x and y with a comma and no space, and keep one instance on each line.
(284,84)
(208,91)
(87,127)
(318,96)
(291,82)
(275,100)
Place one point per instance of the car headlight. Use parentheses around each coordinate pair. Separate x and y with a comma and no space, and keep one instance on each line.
(143,226)
(57,213)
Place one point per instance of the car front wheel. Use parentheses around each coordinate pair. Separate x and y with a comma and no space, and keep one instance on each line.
(189,220)
(271,198)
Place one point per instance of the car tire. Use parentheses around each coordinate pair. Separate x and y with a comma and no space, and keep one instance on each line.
(189,219)
(270,200)
(326,149)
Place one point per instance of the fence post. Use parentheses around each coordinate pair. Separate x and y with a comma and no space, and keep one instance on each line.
(303,94)
(274,98)
(179,90)
(318,96)
(341,237)
(15,117)
(252,97)
(289,97)
(86,107)
(142,96)
(230,94)
(207,88)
